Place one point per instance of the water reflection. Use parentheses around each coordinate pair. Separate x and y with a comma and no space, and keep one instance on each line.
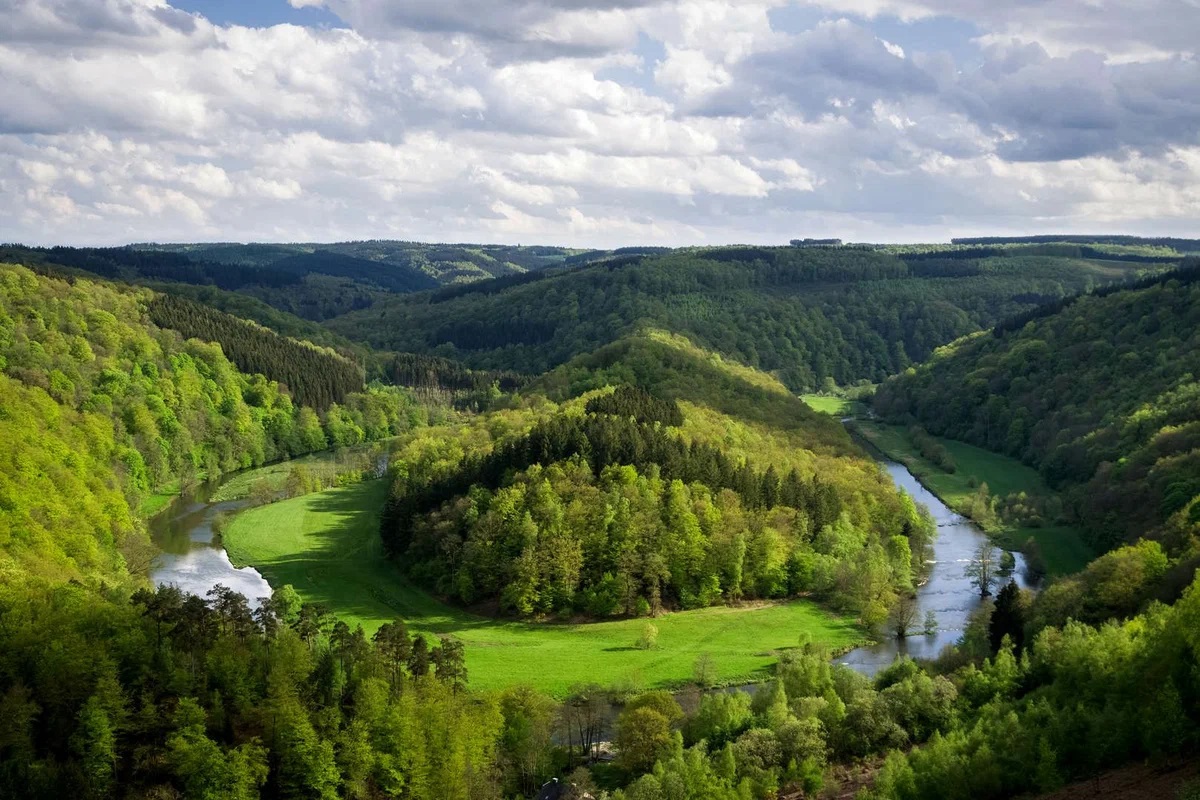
(192,557)
(948,592)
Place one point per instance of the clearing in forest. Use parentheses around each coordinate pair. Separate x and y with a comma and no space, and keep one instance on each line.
(327,546)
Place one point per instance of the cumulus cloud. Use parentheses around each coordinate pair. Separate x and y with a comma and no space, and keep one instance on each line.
(592,122)
(520,29)
(1124,29)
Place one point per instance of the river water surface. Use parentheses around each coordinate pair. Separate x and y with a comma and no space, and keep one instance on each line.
(192,557)
(194,560)
(947,592)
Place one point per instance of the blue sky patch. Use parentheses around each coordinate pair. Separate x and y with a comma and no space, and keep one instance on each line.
(258,13)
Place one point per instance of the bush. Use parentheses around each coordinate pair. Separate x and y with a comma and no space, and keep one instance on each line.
(649,638)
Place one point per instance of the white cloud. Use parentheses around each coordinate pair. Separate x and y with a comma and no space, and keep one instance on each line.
(590,122)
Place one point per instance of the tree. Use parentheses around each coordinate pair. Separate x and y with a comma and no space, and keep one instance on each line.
(418,663)
(394,644)
(95,744)
(287,603)
(527,738)
(704,670)
(1008,618)
(307,768)
(451,661)
(649,638)
(584,715)
(982,569)
(643,736)
(205,771)
(904,615)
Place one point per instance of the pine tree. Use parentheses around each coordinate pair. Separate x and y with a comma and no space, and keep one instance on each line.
(1008,618)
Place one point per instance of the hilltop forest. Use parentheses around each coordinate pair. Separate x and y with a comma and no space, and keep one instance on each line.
(810,316)
(585,441)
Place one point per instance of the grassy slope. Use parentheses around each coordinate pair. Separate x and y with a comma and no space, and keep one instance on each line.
(327,546)
(1064,550)
(160,499)
(324,466)
(827,404)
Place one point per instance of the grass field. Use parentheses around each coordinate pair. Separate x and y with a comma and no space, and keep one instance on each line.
(327,546)
(827,404)
(156,502)
(323,466)
(1062,548)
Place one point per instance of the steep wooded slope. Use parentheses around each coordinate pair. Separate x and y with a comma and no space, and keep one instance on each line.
(101,406)
(1102,396)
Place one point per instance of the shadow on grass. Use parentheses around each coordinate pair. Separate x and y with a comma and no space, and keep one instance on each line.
(342,566)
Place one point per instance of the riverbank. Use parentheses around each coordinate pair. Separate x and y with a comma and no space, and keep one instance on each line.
(327,546)
(1061,547)
(321,469)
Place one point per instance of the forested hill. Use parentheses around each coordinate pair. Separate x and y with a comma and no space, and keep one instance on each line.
(673,367)
(312,281)
(1102,396)
(314,376)
(102,405)
(441,264)
(694,482)
(805,314)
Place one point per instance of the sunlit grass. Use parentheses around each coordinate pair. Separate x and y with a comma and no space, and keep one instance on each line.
(827,404)
(327,546)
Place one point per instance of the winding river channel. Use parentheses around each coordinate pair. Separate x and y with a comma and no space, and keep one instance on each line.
(947,591)
(194,560)
(192,557)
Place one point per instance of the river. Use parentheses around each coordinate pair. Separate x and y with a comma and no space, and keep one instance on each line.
(194,560)
(192,557)
(947,591)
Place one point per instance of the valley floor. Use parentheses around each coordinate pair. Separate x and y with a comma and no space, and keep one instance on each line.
(327,546)
(1062,548)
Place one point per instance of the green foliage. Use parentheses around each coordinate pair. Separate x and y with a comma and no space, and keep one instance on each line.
(314,377)
(649,638)
(1116,585)
(327,546)
(557,538)
(174,696)
(806,314)
(1008,618)
(1085,699)
(593,511)
(101,407)
(1100,396)
(630,401)
(1007,498)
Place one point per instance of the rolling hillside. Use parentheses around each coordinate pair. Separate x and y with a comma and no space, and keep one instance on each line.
(808,316)
(105,403)
(1101,396)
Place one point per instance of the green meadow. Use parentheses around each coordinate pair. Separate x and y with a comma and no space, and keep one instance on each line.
(1062,548)
(827,404)
(327,546)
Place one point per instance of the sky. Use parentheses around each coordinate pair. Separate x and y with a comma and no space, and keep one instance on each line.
(596,123)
